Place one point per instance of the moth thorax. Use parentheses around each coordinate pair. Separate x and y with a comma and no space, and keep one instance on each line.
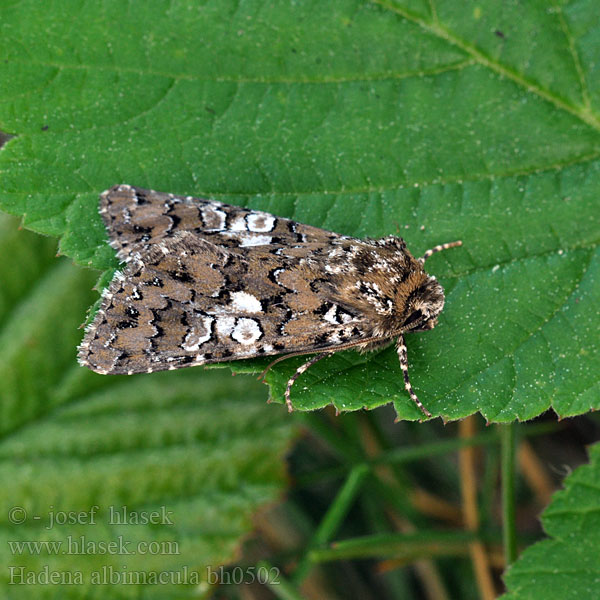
(422,306)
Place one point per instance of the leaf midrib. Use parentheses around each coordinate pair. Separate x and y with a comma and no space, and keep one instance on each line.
(583,113)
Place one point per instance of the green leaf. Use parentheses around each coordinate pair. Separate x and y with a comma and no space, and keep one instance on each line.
(442,121)
(200,450)
(567,566)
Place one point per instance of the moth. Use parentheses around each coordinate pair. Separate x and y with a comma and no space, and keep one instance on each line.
(206,282)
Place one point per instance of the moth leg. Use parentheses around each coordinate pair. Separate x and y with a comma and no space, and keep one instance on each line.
(301,369)
(438,249)
(262,376)
(403,356)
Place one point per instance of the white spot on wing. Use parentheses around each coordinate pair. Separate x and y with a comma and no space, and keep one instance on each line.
(225,326)
(199,333)
(248,239)
(331,315)
(260,222)
(277,273)
(244,302)
(336,269)
(255,240)
(246,331)
(346,317)
(214,218)
(238,224)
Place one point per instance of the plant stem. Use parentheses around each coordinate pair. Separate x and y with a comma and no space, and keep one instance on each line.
(401,546)
(280,586)
(507,443)
(334,516)
(468,484)
(415,453)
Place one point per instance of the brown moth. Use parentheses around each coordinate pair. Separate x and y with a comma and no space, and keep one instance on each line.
(206,282)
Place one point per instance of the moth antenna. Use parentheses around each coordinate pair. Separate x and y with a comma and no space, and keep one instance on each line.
(403,356)
(439,249)
(301,369)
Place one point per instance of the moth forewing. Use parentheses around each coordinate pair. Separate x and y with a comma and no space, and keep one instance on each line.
(206,282)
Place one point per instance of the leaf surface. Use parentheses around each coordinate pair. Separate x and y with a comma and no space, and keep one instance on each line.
(442,121)
(566,566)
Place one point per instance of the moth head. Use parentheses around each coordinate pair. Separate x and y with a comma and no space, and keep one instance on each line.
(423,305)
